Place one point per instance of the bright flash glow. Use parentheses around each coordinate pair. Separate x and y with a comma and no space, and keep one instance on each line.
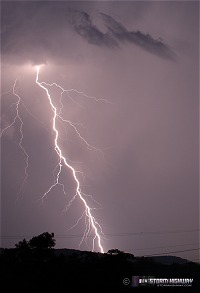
(37,68)
(91,223)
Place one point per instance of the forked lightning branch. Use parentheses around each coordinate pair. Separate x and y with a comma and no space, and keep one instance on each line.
(92,227)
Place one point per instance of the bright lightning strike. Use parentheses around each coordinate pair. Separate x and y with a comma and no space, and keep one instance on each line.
(91,223)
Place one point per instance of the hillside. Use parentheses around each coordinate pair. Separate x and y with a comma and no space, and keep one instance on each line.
(68,270)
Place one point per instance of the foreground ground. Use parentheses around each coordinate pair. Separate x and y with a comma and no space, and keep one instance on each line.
(51,270)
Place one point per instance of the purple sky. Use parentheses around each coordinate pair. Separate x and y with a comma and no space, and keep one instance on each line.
(143,58)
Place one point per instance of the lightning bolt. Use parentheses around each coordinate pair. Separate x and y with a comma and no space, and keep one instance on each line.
(18,117)
(90,221)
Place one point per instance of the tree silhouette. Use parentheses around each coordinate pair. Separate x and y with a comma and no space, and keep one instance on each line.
(115,251)
(22,245)
(43,241)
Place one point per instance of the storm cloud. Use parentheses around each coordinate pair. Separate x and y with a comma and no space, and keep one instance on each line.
(145,41)
(82,24)
(39,34)
(117,34)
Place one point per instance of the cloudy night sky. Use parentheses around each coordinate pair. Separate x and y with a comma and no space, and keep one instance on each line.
(135,66)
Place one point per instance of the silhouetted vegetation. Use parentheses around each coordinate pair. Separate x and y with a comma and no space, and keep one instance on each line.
(42,241)
(34,266)
(115,251)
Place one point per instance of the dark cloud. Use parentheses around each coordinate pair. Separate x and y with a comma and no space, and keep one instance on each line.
(145,41)
(38,33)
(82,24)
